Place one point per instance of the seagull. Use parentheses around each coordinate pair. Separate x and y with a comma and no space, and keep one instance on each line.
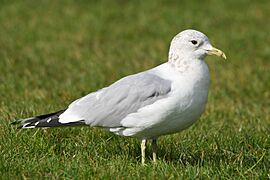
(160,101)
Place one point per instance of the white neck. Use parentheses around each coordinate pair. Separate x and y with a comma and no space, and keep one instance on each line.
(180,63)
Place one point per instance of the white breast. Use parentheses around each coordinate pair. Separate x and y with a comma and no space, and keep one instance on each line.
(183,106)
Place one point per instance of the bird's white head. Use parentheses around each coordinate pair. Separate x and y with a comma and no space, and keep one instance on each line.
(191,45)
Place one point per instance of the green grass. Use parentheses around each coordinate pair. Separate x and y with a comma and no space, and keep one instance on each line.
(52,52)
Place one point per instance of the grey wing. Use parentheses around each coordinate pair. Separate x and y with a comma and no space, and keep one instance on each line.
(108,106)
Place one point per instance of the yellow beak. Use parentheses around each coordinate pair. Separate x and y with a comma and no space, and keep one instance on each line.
(217,52)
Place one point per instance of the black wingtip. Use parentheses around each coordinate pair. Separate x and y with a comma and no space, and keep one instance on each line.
(44,121)
(15,122)
(19,127)
(34,119)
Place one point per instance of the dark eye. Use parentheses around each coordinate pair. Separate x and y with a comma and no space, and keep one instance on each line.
(194,42)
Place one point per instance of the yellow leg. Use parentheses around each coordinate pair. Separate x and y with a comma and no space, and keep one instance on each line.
(143,147)
(155,148)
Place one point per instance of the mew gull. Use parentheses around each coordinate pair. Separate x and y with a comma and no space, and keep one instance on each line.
(163,100)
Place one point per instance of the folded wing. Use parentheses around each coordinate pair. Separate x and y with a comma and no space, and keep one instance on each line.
(108,106)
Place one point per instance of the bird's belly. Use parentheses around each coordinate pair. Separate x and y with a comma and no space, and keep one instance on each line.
(183,116)
(173,116)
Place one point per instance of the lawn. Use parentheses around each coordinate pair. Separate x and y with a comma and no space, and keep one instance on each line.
(53,52)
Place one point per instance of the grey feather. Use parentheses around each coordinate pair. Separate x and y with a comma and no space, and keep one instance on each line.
(108,106)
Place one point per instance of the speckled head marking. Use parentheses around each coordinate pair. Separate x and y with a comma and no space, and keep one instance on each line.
(190,45)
